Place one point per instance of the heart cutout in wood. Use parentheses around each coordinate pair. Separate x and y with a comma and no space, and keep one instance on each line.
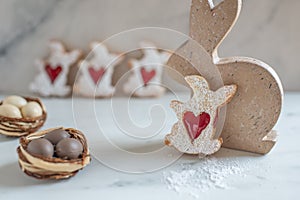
(96,75)
(147,75)
(53,72)
(195,125)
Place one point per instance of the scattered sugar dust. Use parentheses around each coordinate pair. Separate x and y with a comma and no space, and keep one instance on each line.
(206,174)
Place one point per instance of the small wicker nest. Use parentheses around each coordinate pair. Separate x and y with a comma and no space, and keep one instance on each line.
(17,127)
(52,168)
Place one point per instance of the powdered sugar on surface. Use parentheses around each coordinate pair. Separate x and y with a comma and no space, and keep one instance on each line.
(206,174)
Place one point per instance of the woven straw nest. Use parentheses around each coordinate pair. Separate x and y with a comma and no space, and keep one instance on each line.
(52,168)
(17,127)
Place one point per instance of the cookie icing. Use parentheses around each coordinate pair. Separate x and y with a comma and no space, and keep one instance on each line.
(95,78)
(53,72)
(146,73)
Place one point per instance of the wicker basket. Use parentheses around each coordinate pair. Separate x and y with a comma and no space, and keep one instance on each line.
(52,168)
(17,127)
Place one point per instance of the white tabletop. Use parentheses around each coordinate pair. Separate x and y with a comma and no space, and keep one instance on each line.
(131,162)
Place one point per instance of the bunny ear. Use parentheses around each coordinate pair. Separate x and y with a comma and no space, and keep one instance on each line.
(210,24)
(94,45)
(146,44)
(74,55)
(197,83)
(202,4)
(56,46)
(224,94)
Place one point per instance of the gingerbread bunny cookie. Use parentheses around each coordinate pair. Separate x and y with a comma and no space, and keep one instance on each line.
(256,107)
(145,80)
(95,78)
(52,79)
(194,133)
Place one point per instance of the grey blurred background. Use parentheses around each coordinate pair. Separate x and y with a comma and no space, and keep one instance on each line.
(267,29)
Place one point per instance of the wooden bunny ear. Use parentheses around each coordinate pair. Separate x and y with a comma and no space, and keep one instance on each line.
(210,24)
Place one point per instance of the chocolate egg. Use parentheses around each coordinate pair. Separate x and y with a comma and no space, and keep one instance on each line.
(15,100)
(41,147)
(7,110)
(69,148)
(32,109)
(56,135)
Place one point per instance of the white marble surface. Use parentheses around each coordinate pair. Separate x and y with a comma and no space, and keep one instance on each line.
(274,176)
(267,30)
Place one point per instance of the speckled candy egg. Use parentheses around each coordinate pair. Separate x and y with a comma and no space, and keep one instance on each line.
(15,100)
(57,135)
(7,110)
(41,147)
(32,109)
(69,148)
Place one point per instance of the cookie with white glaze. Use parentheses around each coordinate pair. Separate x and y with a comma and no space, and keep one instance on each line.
(95,73)
(194,133)
(146,73)
(53,72)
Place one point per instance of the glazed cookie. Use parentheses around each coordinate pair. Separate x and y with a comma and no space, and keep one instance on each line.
(194,133)
(145,80)
(95,78)
(52,79)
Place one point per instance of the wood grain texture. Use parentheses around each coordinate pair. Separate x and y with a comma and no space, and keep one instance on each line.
(256,107)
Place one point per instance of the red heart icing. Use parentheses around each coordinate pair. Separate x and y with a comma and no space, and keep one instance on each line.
(96,75)
(195,125)
(53,72)
(147,75)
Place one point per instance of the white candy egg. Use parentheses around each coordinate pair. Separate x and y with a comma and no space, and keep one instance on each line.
(15,100)
(32,109)
(8,110)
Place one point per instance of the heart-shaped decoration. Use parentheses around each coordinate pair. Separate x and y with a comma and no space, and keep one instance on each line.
(96,75)
(195,125)
(147,75)
(53,72)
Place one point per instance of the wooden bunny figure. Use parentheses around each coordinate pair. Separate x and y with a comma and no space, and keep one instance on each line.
(255,109)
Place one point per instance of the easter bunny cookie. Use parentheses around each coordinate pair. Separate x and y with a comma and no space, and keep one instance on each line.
(145,80)
(52,79)
(256,107)
(95,78)
(194,133)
